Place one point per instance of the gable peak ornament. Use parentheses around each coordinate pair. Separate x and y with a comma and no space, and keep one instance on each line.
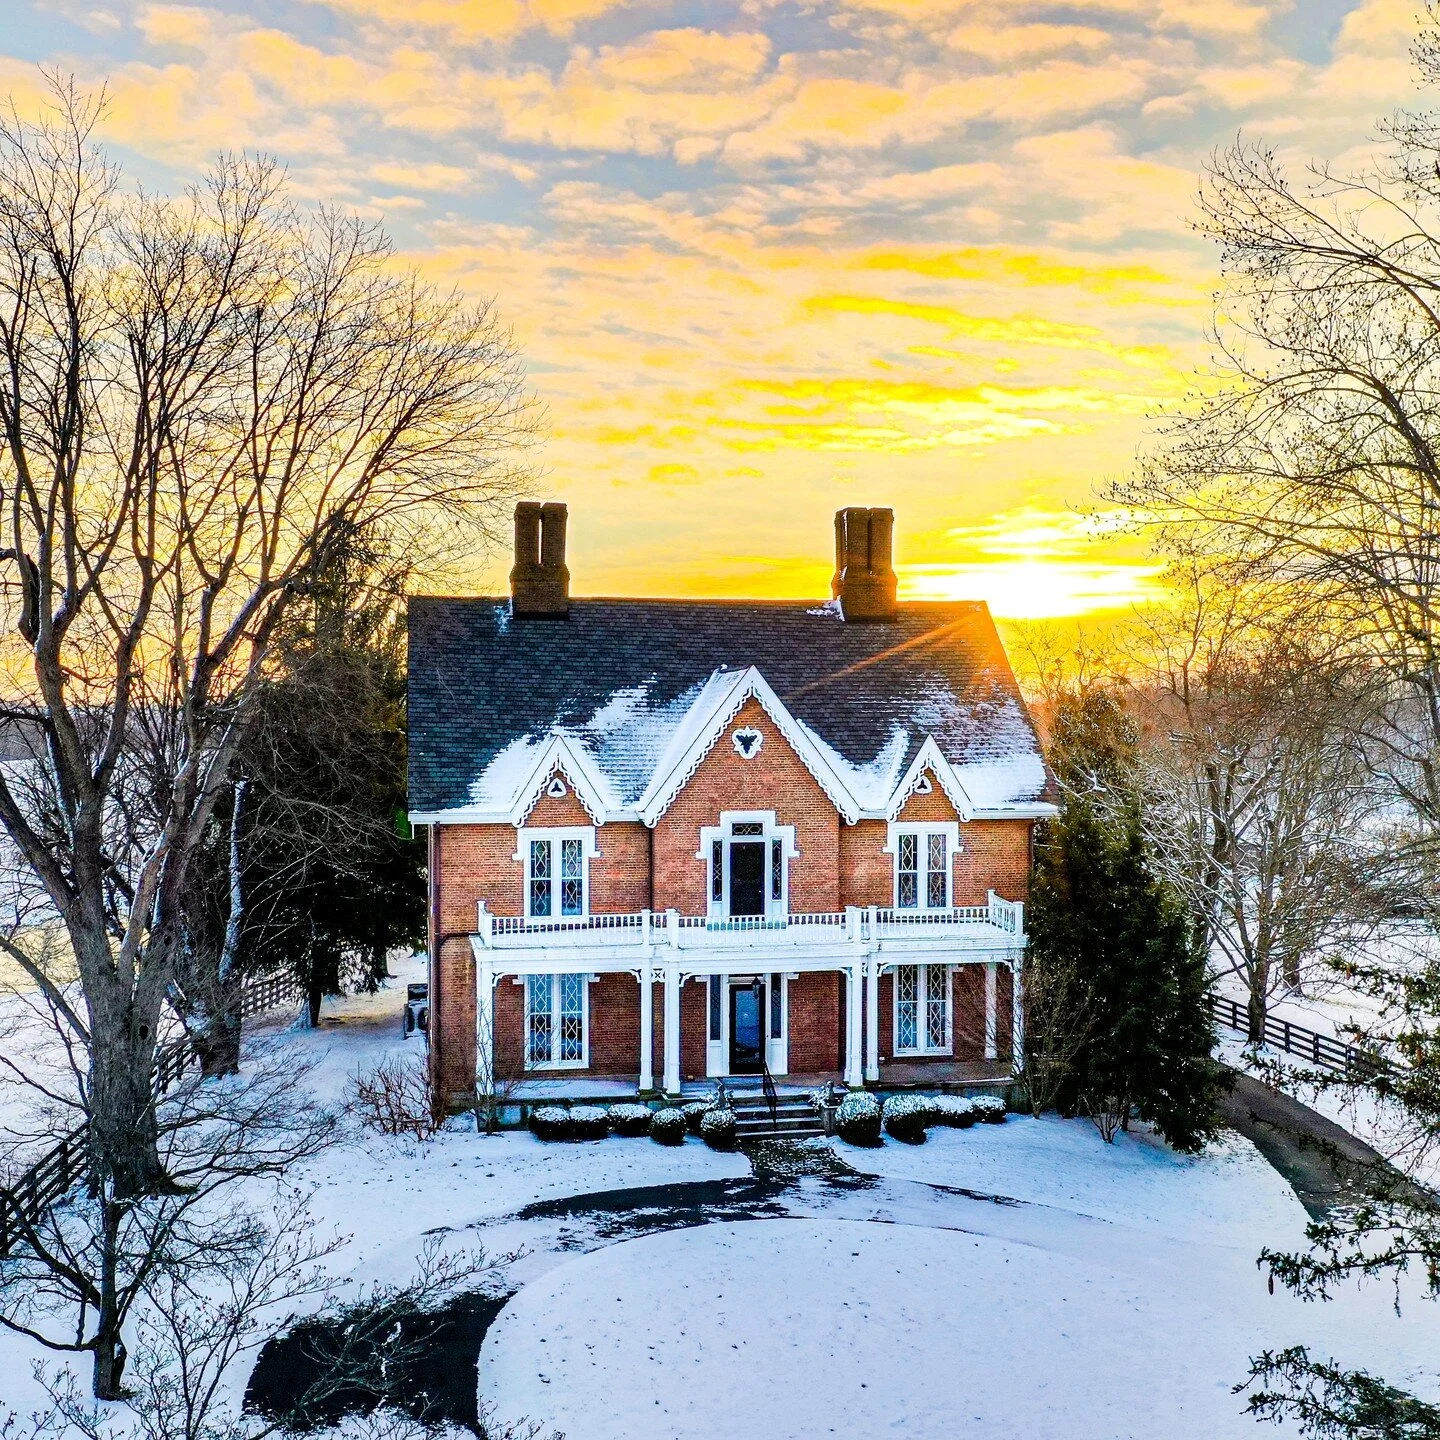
(923,785)
(747,741)
(556,789)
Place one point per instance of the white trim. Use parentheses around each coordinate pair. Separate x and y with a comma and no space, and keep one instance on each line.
(526,834)
(921,828)
(929,760)
(749,684)
(922,1000)
(583,1063)
(571,761)
(719,908)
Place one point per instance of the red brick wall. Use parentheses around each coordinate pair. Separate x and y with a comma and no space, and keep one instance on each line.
(775,779)
(694,1032)
(816,1022)
(478,862)
(994,855)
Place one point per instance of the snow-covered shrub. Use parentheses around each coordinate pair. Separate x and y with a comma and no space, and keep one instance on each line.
(667,1127)
(695,1111)
(630,1119)
(906,1117)
(990,1109)
(816,1098)
(858,1119)
(953,1110)
(551,1122)
(589,1122)
(717,1129)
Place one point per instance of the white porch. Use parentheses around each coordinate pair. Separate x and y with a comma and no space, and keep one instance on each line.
(670,949)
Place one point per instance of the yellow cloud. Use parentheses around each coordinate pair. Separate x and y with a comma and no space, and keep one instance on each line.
(478,19)
(1005,266)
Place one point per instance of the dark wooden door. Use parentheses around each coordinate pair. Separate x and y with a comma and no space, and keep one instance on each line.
(747,877)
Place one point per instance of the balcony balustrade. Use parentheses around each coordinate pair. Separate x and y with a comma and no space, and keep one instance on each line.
(998,924)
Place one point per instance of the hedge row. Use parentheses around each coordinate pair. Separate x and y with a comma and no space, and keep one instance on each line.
(667,1127)
(907,1117)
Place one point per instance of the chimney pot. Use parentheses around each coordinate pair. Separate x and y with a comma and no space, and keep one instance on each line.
(864,579)
(540,581)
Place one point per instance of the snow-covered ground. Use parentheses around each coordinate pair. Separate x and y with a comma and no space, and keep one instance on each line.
(1119,1298)
(1015,1279)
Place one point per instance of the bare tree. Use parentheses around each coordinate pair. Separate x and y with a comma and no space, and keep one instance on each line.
(200,399)
(1259,801)
(81,1269)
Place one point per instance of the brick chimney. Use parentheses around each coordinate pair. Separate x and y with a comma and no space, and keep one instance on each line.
(864,581)
(540,583)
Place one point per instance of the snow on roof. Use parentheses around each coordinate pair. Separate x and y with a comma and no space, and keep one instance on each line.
(623,690)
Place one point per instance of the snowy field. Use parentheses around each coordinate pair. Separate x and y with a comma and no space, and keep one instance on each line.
(1022,1279)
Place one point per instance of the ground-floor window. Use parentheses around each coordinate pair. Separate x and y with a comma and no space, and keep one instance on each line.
(922,1010)
(554,1020)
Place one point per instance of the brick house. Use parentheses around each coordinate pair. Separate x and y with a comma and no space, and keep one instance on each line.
(672,840)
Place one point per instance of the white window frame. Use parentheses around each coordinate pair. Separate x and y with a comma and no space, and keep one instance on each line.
(922,991)
(583,1063)
(771,831)
(555,834)
(922,831)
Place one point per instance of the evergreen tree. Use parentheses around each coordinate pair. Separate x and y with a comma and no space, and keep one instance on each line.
(1113,949)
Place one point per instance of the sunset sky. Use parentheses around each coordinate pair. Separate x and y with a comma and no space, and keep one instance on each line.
(765,258)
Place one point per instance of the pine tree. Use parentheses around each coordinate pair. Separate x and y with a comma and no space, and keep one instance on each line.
(1113,945)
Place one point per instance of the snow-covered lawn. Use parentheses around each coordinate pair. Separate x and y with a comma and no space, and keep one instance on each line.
(1111,1291)
(1119,1298)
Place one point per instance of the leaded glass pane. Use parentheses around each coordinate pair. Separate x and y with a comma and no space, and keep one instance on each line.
(539,1021)
(572,1017)
(716,1000)
(717,871)
(907,1009)
(746,827)
(908,896)
(777,1008)
(541,885)
(935,1008)
(572,877)
(935,872)
(777,870)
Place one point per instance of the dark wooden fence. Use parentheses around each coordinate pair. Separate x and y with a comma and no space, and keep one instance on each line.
(59,1169)
(1323,1051)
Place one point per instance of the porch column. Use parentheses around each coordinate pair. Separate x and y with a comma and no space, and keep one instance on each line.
(647,1027)
(672,1030)
(872,1017)
(991,1038)
(1017,1019)
(485,1025)
(854,1070)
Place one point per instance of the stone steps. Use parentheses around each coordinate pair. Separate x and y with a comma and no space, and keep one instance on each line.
(794,1118)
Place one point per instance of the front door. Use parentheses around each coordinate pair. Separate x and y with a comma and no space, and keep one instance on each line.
(747,877)
(745,1029)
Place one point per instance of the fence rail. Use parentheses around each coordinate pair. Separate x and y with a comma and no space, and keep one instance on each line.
(54,1174)
(1323,1051)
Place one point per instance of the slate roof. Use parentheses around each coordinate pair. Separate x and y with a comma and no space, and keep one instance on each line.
(619,678)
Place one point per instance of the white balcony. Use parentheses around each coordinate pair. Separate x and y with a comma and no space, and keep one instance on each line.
(998,926)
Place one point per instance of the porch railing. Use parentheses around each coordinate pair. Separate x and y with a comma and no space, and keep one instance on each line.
(1005,919)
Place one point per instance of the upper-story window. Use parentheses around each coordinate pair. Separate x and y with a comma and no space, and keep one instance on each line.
(748,859)
(923,856)
(557,872)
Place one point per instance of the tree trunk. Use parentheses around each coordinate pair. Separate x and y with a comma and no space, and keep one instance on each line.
(123,1131)
(217,1036)
(109,1344)
(1255,1005)
(313,992)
